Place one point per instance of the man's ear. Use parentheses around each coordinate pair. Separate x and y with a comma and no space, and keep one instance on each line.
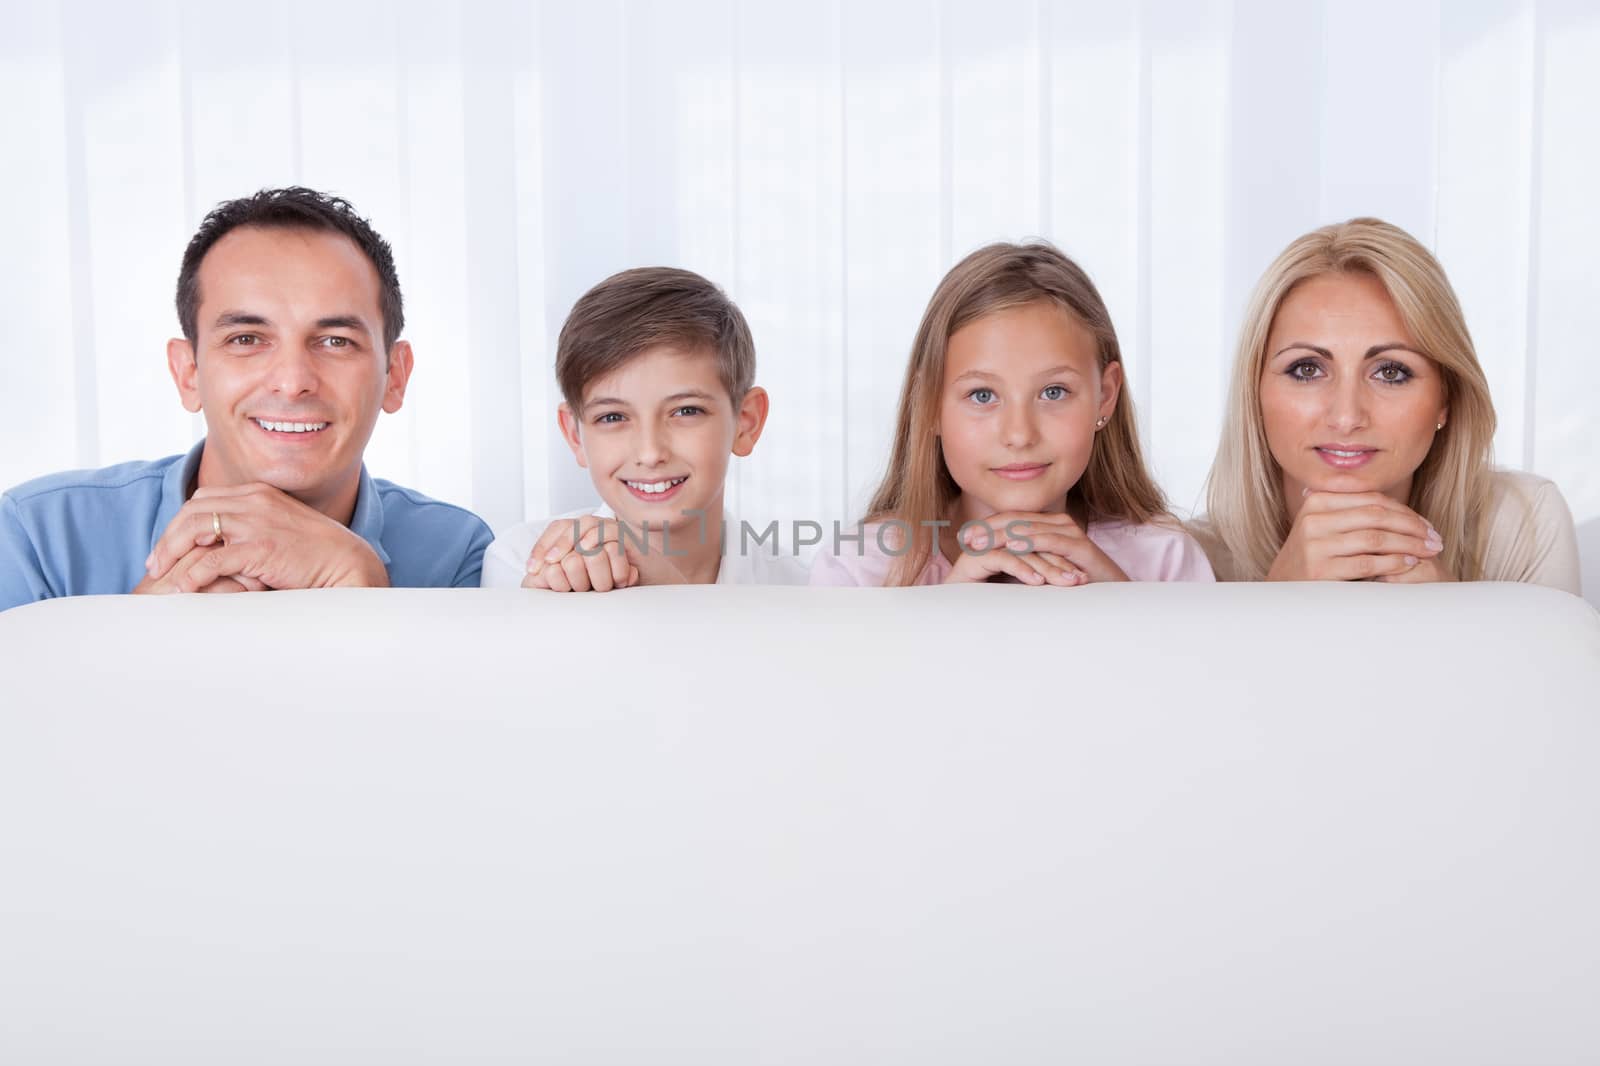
(752,417)
(394,389)
(1110,388)
(570,433)
(185,373)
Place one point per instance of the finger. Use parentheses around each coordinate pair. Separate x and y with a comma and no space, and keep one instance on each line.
(598,568)
(1373,542)
(534,579)
(577,572)
(224,584)
(195,525)
(1052,573)
(1075,574)
(1373,516)
(212,564)
(556,578)
(1364,567)
(1004,562)
(619,564)
(556,540)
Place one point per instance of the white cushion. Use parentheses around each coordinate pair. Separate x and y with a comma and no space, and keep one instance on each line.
(1117,824)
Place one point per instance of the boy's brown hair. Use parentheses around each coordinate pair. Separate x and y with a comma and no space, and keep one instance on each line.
(645,307)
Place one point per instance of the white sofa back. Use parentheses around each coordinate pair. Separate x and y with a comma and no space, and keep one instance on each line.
(1118,824)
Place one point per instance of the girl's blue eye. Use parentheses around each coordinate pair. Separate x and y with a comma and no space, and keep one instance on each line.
(1393,374)
(1054,392)
(981,396)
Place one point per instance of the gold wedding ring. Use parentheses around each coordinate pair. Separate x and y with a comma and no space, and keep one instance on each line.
(216,524)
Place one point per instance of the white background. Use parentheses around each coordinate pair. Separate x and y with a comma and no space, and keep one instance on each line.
(823,162)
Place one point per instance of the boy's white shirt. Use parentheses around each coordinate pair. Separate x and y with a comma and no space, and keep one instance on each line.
(505,563)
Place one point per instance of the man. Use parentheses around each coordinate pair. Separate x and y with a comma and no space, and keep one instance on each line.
(291,316)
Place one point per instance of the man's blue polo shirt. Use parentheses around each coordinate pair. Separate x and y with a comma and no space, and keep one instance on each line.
(89,531)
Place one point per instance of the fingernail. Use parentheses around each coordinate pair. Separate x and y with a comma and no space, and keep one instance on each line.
(553,555)
(1305,492)
(149,560)
(1411,560)
(1016,545)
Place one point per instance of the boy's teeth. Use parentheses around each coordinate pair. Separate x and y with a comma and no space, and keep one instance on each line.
(655,486)
(291,427)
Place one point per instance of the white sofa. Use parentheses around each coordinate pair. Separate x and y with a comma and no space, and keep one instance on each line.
(1118,824)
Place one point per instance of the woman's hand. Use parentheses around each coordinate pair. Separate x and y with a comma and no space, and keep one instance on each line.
(1355,536)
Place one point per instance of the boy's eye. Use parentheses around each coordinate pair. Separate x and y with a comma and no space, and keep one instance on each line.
(1054,392)
(608,418)
(1393,374)
(1304,370)
(689,409)
(981,396)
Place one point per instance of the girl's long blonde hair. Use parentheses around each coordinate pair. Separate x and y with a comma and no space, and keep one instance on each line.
(918,487)
(1451,489)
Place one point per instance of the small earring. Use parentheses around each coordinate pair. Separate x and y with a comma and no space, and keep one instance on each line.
(1437,426)
(1100,423)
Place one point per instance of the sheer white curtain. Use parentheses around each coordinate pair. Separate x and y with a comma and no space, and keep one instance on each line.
(825,163)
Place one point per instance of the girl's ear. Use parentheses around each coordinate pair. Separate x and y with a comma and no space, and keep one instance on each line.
(752,418)
(570,433)
(1110,389)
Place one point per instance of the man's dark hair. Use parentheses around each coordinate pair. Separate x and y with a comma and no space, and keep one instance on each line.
(639,309)
(295,207)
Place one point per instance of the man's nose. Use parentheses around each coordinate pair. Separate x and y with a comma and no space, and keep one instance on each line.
(294,371)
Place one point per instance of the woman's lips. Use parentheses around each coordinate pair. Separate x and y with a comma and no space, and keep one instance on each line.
(1021,471)
(1344,458)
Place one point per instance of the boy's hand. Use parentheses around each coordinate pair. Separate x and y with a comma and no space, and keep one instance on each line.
(1053,536)
(580,555)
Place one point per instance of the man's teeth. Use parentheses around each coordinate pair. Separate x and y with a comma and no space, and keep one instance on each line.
(291,427)
(656,486)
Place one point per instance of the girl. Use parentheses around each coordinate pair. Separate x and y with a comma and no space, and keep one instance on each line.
(1015,453)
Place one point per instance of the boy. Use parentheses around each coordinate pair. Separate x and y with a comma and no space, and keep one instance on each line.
(656,368)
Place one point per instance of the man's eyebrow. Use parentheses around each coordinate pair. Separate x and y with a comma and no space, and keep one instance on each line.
(239,318)
(342,322)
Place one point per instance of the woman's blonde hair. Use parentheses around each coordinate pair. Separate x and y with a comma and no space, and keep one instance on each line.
(1451,489)
(918,487)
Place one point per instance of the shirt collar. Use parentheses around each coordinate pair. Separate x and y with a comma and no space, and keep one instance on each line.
(366,522)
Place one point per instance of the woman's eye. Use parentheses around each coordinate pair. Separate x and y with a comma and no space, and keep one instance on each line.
(1054,392)
(1393,374)
(1305,370)
(981,396)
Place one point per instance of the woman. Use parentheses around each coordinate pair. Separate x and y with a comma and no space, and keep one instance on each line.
(1357,439)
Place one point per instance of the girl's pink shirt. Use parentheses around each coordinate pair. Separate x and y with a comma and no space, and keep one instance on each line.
(1144,552)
